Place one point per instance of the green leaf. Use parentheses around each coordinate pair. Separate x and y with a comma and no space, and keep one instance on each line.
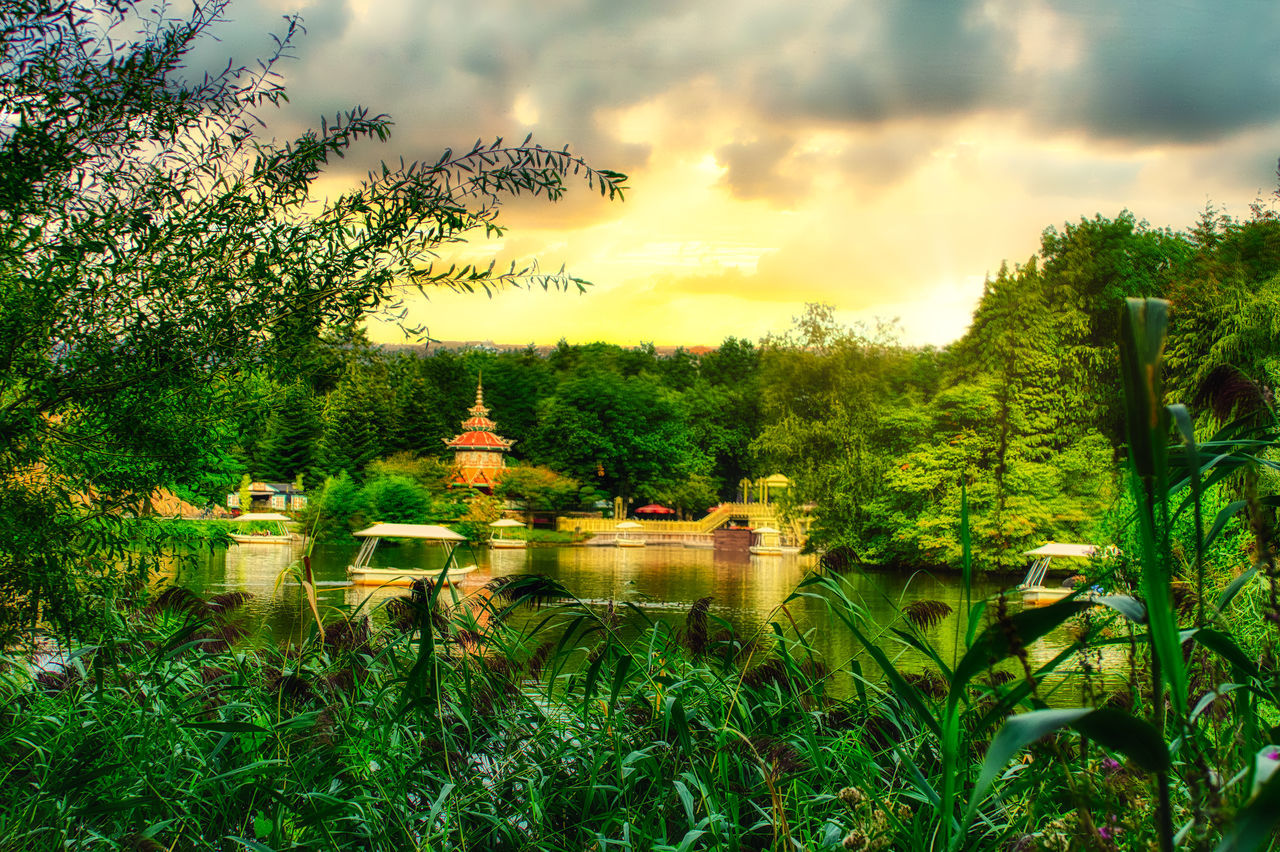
(686,801)
(1220,522)
(619,678)
(1256,822)
(678,723)
(1136,739)
(1224,646)
(974,622)
(917,778)
(904,691)
(924,648)
(690,837)
(227,727)
(1141,347)
(1130,607)
(995,642)
(1230,592)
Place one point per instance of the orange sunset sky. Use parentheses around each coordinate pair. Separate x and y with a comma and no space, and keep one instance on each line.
(883,157)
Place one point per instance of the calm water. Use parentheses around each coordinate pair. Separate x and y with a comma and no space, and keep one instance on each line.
(663,581)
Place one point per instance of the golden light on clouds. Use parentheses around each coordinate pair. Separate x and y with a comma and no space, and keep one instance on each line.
(883,158)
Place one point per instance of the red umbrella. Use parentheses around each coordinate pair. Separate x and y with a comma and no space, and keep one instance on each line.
(655,509)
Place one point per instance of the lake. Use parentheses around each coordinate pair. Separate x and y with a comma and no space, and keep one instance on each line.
(662,581)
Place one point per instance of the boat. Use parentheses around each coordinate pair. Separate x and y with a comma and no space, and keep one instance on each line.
(501,542)
(766,541)
(276,533)
(625,538)
(360,573)
(1034,591)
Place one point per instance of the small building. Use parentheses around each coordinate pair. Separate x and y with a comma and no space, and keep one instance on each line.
(478,451)
(281,496)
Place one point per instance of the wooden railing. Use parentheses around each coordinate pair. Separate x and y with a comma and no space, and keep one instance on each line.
(754,514)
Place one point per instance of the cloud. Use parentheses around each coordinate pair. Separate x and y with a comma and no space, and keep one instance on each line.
(754,168)
(1191,73)
(450,72)
(862,152)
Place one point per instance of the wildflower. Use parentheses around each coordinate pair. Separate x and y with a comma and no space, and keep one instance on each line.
(852,796)
(927,613)
(855,840)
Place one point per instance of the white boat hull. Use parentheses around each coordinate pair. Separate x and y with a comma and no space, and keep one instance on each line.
(1033,596)
(629,542)
(765,550)
(402,576)
(508,543)
(240,538)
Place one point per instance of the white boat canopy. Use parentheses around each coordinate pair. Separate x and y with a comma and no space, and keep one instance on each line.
(630,525)
(427,531)
(262,516)
(1061,548)
(506,522)
(766,530)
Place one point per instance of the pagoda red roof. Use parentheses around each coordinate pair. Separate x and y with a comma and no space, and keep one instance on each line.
(472,423)
(479,440)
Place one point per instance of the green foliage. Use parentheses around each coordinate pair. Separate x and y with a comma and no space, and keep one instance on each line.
(621,434)
(339,507)
(287,450)
(537,488)
(394,499)
(246,493)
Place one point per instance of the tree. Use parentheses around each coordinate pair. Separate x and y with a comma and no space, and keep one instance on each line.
(627,435)
(150,244)
(825,389)
(288,450)
(354,426)
(1088,269)
(1032,468)
(538,488)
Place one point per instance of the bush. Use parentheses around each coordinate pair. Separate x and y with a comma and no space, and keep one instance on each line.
(395,499)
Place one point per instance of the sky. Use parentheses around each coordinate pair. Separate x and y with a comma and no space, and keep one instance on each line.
(883,157)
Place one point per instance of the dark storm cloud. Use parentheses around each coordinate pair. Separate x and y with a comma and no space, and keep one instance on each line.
(450,72)
(1187,72)
(873,63)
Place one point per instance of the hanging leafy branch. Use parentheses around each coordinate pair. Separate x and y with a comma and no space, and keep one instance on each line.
(153,245)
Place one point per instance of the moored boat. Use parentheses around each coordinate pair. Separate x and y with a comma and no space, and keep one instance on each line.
(360,573)
(627,538)
(503,542)
(766,541)
(276,532)
(1033,589)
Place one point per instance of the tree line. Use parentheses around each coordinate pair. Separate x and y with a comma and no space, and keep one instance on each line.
(1020,419)
(1021,415)
(589,421)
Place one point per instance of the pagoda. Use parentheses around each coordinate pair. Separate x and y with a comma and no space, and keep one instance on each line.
(478,450)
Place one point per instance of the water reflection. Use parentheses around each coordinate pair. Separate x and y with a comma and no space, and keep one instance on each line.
(257,568)
(751,592)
